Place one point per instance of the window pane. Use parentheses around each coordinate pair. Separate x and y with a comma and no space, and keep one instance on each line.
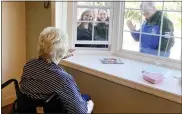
(129,43)
(166,44)
(103,13)
(134,16)
(176,49)
(84,29)
(147,45)
(101,31)
(85,3)
(158,5)
(132,44)
(172,6)
(151,21)
(102,3)
(135,5)
(175,18)
(92,25)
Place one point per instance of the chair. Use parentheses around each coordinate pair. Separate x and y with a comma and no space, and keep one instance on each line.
(24,104)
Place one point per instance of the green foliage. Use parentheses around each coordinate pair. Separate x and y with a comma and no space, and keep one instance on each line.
(132,15)
(136,15)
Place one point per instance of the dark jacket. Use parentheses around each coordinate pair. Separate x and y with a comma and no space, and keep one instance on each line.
(150,43)
(84,34)
(101,31)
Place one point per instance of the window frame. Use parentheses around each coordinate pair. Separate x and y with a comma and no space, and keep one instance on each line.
(116,39)
(156,60)
(75,41)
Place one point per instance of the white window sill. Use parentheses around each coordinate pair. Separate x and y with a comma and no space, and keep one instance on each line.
(128,74)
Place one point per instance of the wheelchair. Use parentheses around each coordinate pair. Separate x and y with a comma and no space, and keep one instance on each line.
(24,104)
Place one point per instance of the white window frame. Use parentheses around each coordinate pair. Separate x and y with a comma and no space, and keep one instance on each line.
(75,7)
(116,40)
(156,60)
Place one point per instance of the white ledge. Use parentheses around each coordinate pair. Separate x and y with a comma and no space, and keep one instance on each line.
(128,74)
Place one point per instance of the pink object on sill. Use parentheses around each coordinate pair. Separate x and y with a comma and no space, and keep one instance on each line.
(153,78)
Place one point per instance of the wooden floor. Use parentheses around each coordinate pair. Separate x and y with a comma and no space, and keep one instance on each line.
(7,109)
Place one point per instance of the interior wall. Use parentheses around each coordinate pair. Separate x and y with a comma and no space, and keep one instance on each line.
(109,97)
(13,45)
(37,18)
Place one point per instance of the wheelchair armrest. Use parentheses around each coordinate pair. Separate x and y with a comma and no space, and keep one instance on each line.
(16,86)
(8,82)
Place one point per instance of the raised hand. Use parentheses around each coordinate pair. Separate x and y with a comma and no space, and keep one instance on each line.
(130,25)
(70,53)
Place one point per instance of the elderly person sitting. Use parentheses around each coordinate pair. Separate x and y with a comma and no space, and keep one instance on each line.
(43,75)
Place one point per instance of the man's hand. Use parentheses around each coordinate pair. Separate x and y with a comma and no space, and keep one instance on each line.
(70,53)
(131,26)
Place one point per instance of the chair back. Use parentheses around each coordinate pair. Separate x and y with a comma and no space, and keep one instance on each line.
(52,105)
(25,104)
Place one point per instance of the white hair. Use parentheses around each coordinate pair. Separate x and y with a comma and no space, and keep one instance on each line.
(150,3)
(53,44)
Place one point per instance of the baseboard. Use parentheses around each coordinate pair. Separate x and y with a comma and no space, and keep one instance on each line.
(8,100)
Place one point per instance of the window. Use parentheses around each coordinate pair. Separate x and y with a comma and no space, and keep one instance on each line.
(93,23)
(152,28)
(156,39)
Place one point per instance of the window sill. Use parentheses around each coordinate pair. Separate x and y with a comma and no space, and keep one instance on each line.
(127,74)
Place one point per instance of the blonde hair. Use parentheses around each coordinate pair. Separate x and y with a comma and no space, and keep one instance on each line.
(86,11)
(53,44)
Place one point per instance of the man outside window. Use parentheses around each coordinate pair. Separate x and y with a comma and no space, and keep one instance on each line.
(150,43)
